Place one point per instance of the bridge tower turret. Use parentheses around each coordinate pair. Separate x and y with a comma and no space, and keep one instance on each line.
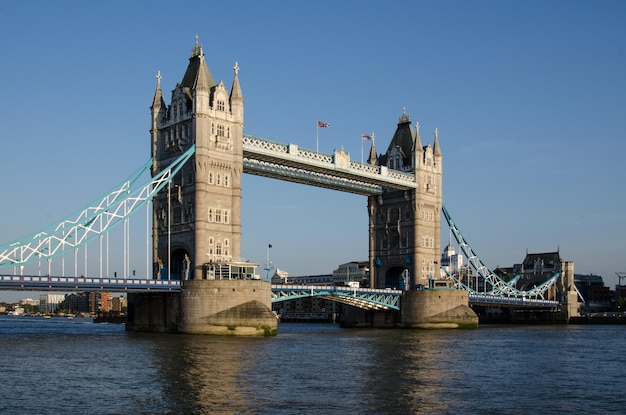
(203,202)
(197,217)
(405,225)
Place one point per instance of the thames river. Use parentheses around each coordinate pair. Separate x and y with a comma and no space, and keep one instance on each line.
(57,365)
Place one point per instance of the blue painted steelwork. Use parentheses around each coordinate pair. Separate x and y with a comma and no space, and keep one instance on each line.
(521,302)
(65,284)
(94,220)
(499,287)
(366,298)
(261,157)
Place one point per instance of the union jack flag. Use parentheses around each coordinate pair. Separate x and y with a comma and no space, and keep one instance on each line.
(366,137)
(323,124)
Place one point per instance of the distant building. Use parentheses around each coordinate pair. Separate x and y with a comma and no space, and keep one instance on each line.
(89,302)
(76,303)
(29,301)
(451,261)
(48,303)
(355,271)
(591,288)
(507,273)
(538,268)
(99,301)
(280,277)
(119,304)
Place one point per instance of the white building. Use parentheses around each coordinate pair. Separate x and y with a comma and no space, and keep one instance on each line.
(280,277)
(451,261)
(49,302)
(29,301)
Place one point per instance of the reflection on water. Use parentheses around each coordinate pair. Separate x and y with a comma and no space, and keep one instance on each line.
(202,373)
(60,366)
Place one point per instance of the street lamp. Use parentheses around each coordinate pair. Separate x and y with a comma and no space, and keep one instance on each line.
(268,265)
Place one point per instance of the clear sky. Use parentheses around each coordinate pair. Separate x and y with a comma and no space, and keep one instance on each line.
(529,98)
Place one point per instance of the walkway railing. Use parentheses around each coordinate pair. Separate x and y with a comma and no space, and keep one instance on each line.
(289,162)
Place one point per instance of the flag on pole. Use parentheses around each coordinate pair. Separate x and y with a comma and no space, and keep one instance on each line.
(323,124)
(269,246)
(366,137)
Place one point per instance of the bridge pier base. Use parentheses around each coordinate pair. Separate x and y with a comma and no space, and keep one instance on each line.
(353,317)
(423,309)
(227,307)
(433,309)
(220,307)
(153,312)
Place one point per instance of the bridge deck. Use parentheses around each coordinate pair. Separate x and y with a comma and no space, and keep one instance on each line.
(367,298)
(52,283)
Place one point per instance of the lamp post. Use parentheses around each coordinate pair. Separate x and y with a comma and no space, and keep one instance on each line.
(268,265)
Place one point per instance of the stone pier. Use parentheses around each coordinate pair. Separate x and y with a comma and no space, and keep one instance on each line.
(421,309)
(220,307)
(437,308)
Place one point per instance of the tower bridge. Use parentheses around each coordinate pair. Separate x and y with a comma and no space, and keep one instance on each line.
(193,202)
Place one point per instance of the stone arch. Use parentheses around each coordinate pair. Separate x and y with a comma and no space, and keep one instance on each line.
(395,277)
(181,267)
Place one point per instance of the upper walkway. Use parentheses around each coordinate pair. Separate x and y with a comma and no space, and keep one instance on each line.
(287,161)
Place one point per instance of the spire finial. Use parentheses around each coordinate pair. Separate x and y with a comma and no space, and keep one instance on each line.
(197,49)
(417,126)
(436,134)
(158,77)
(236,68)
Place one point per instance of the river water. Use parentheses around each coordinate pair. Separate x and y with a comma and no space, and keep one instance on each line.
(57,366)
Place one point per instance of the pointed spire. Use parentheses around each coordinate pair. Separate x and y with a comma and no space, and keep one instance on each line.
(197,49)
(204,80)
(158,101)
(418,140)
(235,90)
(197,75)
(436,149)
(372,158)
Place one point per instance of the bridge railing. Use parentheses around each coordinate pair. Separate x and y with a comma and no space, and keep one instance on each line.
(285,156)
(58,283)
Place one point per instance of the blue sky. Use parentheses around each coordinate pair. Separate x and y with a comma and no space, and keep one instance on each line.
(529,98)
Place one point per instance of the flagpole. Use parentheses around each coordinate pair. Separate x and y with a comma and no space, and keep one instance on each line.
(361,148)
(317,137)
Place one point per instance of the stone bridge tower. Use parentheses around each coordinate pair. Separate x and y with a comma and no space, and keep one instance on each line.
(197,218)
(203,202)
(405,225)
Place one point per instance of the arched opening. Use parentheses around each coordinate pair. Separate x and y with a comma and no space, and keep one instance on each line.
(180,265)
(397,278)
